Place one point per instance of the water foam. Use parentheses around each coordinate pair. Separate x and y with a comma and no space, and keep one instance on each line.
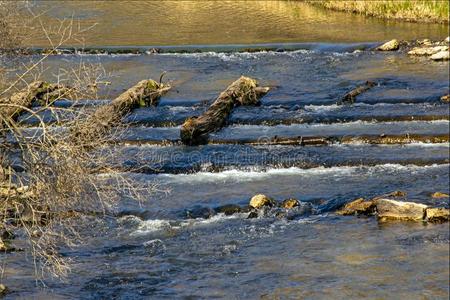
(248,176)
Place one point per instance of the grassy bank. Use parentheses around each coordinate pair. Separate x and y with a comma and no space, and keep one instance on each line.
(435,11)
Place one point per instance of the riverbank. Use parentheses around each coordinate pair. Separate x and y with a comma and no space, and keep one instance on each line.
(406,10)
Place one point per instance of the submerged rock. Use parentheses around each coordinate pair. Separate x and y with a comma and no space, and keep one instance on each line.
(229,209)
(438,214)
(199,212)
(261,200)
(388,209)
(253,215)
(357,207)
(438,195)
(396,194)
(290,203)
(389,46)
(441,55)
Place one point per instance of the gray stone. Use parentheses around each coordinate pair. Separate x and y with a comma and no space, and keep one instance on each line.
(388,209)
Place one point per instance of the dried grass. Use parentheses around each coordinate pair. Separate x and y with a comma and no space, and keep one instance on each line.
(435,11)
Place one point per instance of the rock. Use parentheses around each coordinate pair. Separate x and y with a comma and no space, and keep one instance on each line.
(426,51)
(438,214)
(437,195)
(252,215)
(447,40)
(199,212)
(441,55)
(261,200)
(358,207)
(446,98)
(425,42)
(290,203)
(154,51)
(3,290)
(396,210)
(229,209)
(389,46)
(397,194)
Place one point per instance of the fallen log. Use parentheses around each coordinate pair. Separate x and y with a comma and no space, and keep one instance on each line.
(350,97)
(144,93)
(243,91)
(38,91)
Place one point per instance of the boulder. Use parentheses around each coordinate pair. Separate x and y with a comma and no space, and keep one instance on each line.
(438,214)
(441,55)
(389,46)
(357,207)
(427,51)
(438,195)
(388,209)
(446,98)
(261,200)
(290,203)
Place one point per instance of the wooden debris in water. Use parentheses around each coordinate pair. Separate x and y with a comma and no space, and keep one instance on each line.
(244,91)
(38,91)
(350,97)
(144,93)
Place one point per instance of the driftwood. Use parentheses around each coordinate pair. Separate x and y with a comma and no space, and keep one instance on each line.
(350,97)
(38,91)
(144,93)
(243,91)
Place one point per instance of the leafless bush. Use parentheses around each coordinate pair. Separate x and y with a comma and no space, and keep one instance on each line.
(59,182)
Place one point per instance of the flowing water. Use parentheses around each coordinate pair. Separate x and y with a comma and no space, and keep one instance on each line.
(168,248)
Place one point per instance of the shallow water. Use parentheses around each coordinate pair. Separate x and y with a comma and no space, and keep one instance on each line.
(144,23)
(157,250)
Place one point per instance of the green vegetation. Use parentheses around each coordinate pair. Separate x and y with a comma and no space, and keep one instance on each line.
(435,11)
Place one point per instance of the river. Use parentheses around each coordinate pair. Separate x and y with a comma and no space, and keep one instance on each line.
(158,250)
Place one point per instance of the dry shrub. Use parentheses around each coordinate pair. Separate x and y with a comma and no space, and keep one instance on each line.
(59,186)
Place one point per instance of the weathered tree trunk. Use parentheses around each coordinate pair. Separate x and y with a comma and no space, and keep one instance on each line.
(350,97)
(243,91)
(144,93)
(43,92)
